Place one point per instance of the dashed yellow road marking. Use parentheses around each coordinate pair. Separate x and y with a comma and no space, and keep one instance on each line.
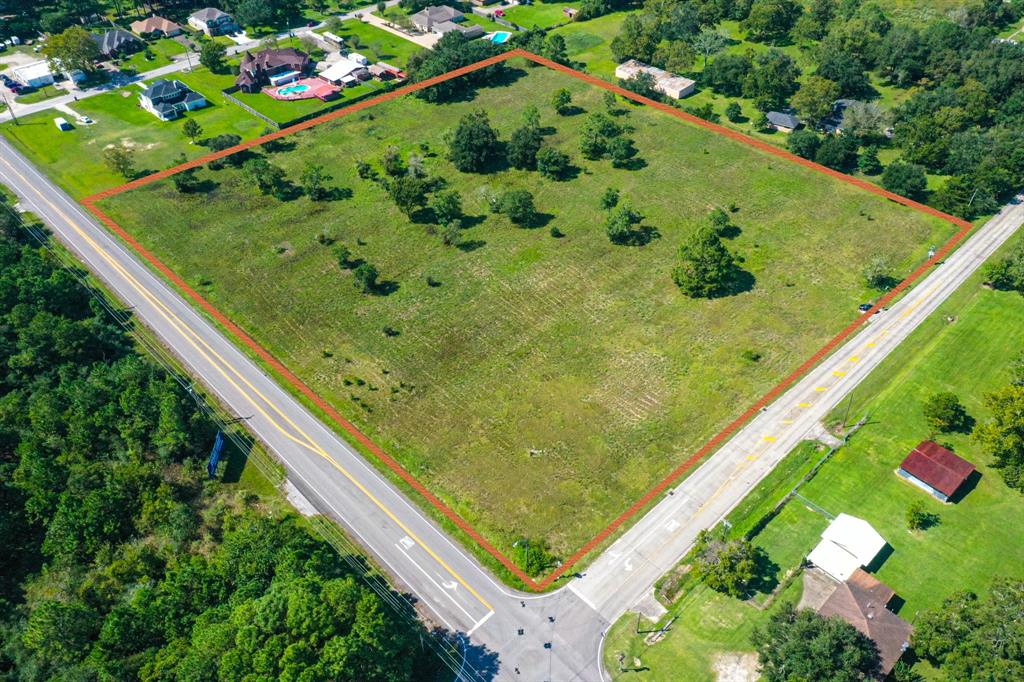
(839,373)
(187,331)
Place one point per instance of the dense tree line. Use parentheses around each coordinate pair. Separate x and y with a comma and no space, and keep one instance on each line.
(120,561)
(964,117)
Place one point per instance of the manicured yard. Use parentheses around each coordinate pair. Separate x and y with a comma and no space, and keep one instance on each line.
(377,44)
(561,377)
(74,159)
(40,94)
(588,42)
(163,51)
(976,539)
(540,14)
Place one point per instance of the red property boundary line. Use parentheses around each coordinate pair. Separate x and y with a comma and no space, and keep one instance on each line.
(391,463)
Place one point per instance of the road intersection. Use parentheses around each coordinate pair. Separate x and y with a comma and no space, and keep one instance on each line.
(554,636)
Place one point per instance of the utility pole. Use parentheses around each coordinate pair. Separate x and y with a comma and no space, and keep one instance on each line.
(10,108)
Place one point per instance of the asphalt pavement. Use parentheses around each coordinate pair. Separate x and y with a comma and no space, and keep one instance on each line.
(515,636)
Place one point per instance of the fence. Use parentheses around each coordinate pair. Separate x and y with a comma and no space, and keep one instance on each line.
(229,94)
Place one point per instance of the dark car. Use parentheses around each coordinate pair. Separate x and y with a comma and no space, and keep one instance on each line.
(864,307)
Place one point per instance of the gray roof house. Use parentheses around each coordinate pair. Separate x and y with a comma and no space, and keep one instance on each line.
(212,21)
(117,42)
(443,19)
(784,121)
(168,99)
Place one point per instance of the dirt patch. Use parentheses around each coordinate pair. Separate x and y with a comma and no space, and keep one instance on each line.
(736,667)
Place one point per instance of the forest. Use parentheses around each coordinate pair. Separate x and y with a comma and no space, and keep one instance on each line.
(122,561)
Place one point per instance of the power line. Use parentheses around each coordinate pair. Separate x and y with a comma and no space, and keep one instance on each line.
(348,551)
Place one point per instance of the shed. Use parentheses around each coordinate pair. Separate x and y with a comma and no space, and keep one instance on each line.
(935,469)
(847,544)
(341,71)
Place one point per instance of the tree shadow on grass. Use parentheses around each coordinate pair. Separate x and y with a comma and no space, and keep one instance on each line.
(766,574)
(640,236)
(740,281)
(571,110)
(730,231)
(634,164)
(385,287)
(470,245)
(337,193)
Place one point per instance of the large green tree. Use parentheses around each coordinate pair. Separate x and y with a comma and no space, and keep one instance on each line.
(797,646)
(474,143)
(706,267)
(72,49)
(1003,434)
(970,638)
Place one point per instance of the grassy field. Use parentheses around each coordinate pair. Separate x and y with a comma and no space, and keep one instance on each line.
(284,111)
(539,14)
(163,50)
(75,158)
(575,350)
(975,539)
(40,94)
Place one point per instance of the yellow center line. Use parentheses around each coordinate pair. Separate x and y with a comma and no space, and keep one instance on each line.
(186,331)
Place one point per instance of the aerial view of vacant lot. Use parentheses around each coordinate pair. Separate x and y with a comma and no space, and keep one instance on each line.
(538,379)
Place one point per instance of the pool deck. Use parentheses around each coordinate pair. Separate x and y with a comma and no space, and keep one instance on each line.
(313,88)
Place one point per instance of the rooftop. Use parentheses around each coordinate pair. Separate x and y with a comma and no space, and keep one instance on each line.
(938,467)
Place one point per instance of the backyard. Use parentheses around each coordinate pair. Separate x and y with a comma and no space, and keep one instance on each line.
(973,541)
(560,377)
(161,53)
(540,14)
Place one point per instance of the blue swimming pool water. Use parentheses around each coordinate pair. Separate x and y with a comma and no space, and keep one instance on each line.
(292,89)
(500,37)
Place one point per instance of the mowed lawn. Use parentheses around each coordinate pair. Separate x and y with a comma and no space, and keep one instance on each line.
(75,158)
(539,14)
(544,383)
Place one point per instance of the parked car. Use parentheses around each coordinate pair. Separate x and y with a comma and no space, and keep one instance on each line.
(864,307)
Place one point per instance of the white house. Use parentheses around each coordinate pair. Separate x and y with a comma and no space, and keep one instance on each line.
(847,544)
(38,74)
(665,82)
(168,99)
(212,21)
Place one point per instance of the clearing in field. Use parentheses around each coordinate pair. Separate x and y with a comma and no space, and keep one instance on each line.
(536,383)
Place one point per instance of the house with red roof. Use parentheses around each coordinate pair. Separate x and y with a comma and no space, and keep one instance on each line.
(935,469)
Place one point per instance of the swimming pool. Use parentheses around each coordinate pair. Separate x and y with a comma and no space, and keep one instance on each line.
(292,89)
(500,37)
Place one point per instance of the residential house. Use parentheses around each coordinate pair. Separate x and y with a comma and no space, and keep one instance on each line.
(156,27)
(783,121)
(865,603)
(443,19)
(272,66)
(833,123)
(168,99)
(846,545)
(117,42)
(665,82)
(935,469)
(213,22)
(345,72)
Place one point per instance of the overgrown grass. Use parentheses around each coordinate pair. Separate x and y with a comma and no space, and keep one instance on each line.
(377,44)
(546,382)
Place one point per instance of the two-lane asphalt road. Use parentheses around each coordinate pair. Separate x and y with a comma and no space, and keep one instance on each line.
(515,636)
(550,637)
